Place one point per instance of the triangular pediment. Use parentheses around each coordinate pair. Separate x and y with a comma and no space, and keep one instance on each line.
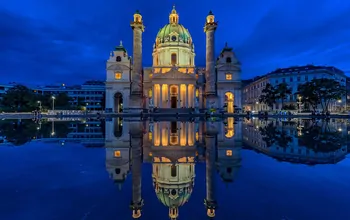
(174,74)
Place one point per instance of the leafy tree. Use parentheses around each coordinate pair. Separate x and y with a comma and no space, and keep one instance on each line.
(272,135)
(268,95)
(62,100)
(19,98)
(321,91)
(282,91)
(18,132)
(307,94)
(321,137)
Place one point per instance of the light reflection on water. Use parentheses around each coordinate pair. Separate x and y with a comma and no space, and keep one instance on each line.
(237,168)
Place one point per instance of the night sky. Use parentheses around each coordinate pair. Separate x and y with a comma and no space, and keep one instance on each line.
(68,41)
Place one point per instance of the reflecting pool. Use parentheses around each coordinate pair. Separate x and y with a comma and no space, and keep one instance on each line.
(117,169)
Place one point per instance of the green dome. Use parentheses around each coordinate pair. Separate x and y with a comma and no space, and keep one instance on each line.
(174,33)
(174,197)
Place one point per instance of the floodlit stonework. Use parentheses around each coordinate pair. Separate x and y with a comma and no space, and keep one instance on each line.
(173,81)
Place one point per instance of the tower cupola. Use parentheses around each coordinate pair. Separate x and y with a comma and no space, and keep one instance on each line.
(173,17)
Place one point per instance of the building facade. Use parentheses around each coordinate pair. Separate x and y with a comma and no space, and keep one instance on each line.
(91,93)
(173,81)
(293,77)
(173,149)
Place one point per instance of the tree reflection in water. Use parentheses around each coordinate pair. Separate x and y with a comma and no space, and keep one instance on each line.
(19,132)
(272,134)
(321,137)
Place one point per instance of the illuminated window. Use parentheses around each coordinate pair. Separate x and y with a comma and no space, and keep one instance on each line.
(197,92)
(197,136)
(150,136)
(228,76)
(118,75)
(150,93)
(117,153)
(229,153)
(173,59)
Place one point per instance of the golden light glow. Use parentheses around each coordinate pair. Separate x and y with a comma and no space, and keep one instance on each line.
(174,140)
(197,93)
(182,70)
(150,136)
(157,70)
(165,137)
(150,93)
(190,70)
(211,213)
(156,133)
(230,129)
(117,153)
(165,70)
(210,18)
(118,75)
(229,153)
(228,76)
(136,214)
(197,136)
(150,154)
(229,101)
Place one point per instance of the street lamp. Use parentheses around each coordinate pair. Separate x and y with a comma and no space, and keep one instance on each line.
(53,103)
(39,102)
(299,97)
(339,101)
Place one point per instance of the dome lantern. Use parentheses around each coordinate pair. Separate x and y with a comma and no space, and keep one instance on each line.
(173,17)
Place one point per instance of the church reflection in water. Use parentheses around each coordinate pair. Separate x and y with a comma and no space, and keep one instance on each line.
(173,148)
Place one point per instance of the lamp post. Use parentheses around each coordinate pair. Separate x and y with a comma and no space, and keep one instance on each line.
(339,101)
(299,103)
(39,102)
(53,103)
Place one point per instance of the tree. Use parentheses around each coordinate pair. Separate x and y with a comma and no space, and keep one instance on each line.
(268,95)
(18,132)
(307,94)
(321,137)
(321,91)
(271,135)
(328,90)
(282,91)
(62,100)
(19,98)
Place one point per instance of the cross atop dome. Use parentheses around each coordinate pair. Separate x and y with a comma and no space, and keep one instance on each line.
(174,17)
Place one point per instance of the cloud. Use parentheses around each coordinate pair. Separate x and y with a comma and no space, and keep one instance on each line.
(63,41)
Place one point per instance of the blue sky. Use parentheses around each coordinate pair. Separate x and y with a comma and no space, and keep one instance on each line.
(68,41)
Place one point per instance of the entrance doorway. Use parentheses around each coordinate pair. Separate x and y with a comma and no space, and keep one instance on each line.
(173,102)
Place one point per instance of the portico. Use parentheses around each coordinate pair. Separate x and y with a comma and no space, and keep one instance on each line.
(179,93)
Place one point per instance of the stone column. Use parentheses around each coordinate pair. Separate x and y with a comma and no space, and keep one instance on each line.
(210,89)
(136,137)
(136,75)
(187,95)
(161,96)
(210,157)
(169,101)
(179,96)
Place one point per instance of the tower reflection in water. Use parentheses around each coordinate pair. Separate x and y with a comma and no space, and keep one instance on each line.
(173,148)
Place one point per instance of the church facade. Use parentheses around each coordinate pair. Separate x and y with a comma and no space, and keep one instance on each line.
(173,81)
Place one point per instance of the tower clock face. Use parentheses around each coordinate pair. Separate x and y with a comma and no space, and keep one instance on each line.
(173,38)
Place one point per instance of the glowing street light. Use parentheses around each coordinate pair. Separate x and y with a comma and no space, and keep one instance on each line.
(39,102)
(53,103)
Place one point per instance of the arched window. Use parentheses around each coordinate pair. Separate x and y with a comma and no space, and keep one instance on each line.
(173,170)
(228,60)
(173,59)
(118,59)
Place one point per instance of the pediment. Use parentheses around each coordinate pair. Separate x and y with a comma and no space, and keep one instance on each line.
(174,74)
(229,67)
(118,67)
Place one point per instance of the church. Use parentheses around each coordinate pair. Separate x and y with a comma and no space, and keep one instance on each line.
(174,83)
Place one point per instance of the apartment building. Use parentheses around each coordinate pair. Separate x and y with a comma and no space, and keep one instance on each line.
(293,76)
